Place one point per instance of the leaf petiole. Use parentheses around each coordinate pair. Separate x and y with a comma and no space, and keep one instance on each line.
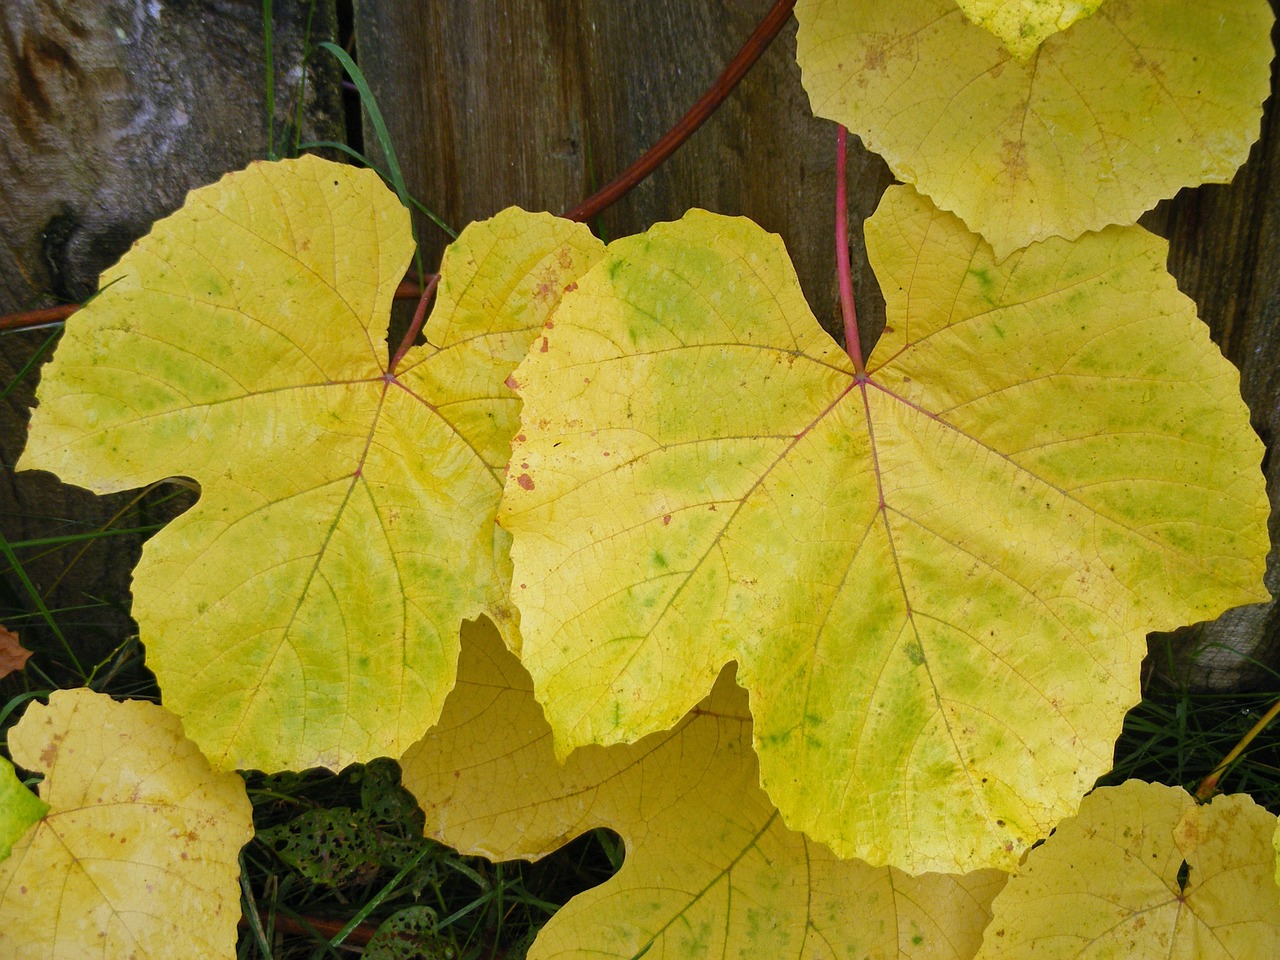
(419,315)
(852,344)
(687,125)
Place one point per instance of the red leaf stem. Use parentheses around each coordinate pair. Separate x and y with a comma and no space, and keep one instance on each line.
(852,344)
(419,315)
(756,44)
(310,926)
(37,318)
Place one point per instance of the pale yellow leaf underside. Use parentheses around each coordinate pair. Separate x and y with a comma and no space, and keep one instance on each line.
(1106,884)
(1100,122)
(710,869)
(138,854)
(936,583)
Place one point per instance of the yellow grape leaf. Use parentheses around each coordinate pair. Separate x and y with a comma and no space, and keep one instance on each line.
(936,579)
(1140,99)
(305,612)
(710,869)
(1145,873)
(1022,25)
(19,808)
(138,854)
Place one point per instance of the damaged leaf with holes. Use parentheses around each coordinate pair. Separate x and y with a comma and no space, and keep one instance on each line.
(341,846)
(305,611)
(409,934)
(936,577)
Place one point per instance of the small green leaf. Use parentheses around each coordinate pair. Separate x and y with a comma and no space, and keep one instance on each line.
(409,934)
(19,808)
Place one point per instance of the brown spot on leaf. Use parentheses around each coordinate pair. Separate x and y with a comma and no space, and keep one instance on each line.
(1013,155)
(666,519)
(525,481)
(50,753)
(545,346)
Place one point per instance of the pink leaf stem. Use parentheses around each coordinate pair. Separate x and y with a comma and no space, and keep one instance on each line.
(852,345)
(419,315)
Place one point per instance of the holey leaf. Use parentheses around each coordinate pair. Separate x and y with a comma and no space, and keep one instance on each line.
(305,612)
(1145,873)
(937,579)
(1102,120)
(710,869)
(137,855)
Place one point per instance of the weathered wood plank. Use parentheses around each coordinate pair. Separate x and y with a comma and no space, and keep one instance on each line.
(538,103)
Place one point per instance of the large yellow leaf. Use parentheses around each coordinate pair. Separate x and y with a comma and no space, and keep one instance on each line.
(1144,873)
(1103,120)
(710,870)
(937,579)
(305,612)
(137,856)
(1022,25)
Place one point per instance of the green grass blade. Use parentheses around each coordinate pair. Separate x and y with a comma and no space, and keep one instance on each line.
(268,43)
(16,565)
(361,158)
(26,367)
(394,173)
(382,894)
